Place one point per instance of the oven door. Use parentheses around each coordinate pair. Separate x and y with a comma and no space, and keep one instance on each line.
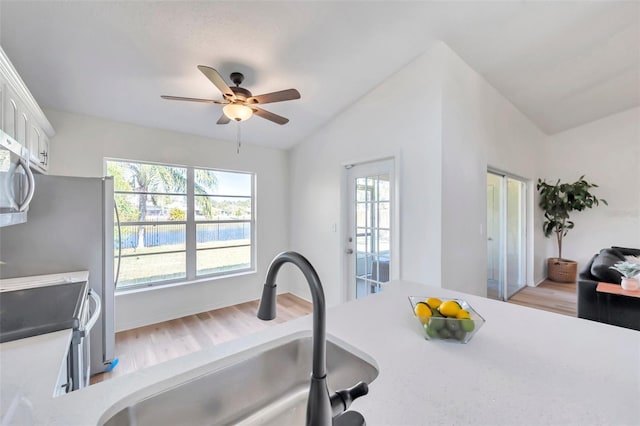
(80,350)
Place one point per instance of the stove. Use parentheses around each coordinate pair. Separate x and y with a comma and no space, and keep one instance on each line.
(39,310)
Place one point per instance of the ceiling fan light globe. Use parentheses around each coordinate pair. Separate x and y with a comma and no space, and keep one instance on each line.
(237,112)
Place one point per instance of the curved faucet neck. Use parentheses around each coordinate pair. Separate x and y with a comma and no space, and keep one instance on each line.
(319,368)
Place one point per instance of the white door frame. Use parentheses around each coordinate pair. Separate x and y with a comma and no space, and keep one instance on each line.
(386,165)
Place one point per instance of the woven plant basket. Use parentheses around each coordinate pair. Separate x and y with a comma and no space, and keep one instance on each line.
(562,270)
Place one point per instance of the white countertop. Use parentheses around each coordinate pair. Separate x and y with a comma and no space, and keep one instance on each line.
(524,366)
(21,283)
(28,373)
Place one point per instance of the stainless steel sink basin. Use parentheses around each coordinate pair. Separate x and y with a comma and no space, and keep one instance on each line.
(267,386)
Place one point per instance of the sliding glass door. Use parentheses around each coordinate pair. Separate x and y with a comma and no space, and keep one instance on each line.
(506,235)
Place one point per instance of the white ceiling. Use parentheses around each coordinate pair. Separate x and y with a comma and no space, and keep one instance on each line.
(561,63)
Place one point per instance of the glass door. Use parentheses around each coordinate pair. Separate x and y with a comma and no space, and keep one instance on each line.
(370,219)
(506,235)
(495,285)
(515,236)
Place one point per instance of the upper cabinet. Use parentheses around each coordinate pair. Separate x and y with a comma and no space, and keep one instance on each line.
(22,118)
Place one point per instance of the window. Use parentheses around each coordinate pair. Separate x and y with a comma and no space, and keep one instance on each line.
(181,223)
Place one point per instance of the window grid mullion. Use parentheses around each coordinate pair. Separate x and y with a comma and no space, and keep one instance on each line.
(191,226)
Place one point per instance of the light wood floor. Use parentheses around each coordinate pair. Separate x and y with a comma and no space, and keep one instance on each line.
(153,344)
(549,296)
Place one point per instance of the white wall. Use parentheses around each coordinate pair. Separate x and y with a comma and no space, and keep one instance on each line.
(79,148)
(607,152)
(445,125)
(400,119)
(480,129)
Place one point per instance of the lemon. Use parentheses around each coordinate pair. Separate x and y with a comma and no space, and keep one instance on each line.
(450,308)
(433,302)
(462,314)
(422,311)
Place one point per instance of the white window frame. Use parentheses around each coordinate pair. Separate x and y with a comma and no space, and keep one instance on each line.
(191,228)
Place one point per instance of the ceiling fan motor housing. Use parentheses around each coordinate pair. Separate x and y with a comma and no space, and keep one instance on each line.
(241,93)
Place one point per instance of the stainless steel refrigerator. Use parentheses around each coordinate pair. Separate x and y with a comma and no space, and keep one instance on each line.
(69,228)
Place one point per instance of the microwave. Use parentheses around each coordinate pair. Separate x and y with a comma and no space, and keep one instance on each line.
(16,181)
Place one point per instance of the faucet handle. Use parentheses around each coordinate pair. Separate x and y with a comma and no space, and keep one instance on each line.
(342,399)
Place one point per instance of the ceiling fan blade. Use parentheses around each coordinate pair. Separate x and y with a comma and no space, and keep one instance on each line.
(283,95)
(278,119)
(218,81)
(181,98)
(223,119)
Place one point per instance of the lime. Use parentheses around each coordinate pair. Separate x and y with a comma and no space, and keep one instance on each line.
(431,332)
(445,333)
(436,323)
(453,324)
(450,308)
(467,325)
(460,335)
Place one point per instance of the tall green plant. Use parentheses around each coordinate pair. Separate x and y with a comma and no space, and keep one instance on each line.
(559,200)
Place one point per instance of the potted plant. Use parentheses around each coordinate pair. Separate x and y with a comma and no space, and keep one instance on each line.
(629,271)
(558,201)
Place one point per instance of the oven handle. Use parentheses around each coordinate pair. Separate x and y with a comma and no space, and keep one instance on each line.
(94,318)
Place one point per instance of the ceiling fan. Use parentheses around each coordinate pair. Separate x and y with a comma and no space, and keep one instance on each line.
(239,103)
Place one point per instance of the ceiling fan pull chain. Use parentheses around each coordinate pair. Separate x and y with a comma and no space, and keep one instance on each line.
(238,149)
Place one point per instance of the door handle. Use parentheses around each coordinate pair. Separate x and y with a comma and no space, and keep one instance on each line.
(349,251)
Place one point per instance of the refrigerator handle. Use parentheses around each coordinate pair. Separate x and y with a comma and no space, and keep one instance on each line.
(94,318)
(115,209)
(25,205)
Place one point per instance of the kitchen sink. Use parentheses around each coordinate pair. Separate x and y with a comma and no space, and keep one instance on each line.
(267,385)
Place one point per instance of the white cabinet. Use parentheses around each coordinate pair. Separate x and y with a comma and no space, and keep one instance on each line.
(22,118)
(11,113)
(38,147)
(16,116)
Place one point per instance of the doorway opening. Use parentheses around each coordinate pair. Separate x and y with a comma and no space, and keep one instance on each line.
(506,235)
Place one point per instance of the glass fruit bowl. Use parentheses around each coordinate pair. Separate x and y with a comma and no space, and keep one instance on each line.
(446,319)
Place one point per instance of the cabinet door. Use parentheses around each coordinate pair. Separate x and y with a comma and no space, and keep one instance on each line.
(2,90)
(10,112)
(22,135)
(34,144)
(17,119)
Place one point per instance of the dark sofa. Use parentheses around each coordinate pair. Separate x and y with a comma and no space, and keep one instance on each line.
(617,310)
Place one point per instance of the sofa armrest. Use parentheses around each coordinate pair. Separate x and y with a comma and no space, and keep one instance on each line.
(587,299)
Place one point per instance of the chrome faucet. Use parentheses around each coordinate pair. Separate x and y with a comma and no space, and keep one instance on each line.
(322,409)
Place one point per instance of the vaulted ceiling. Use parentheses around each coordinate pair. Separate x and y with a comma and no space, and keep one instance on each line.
(561,63)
